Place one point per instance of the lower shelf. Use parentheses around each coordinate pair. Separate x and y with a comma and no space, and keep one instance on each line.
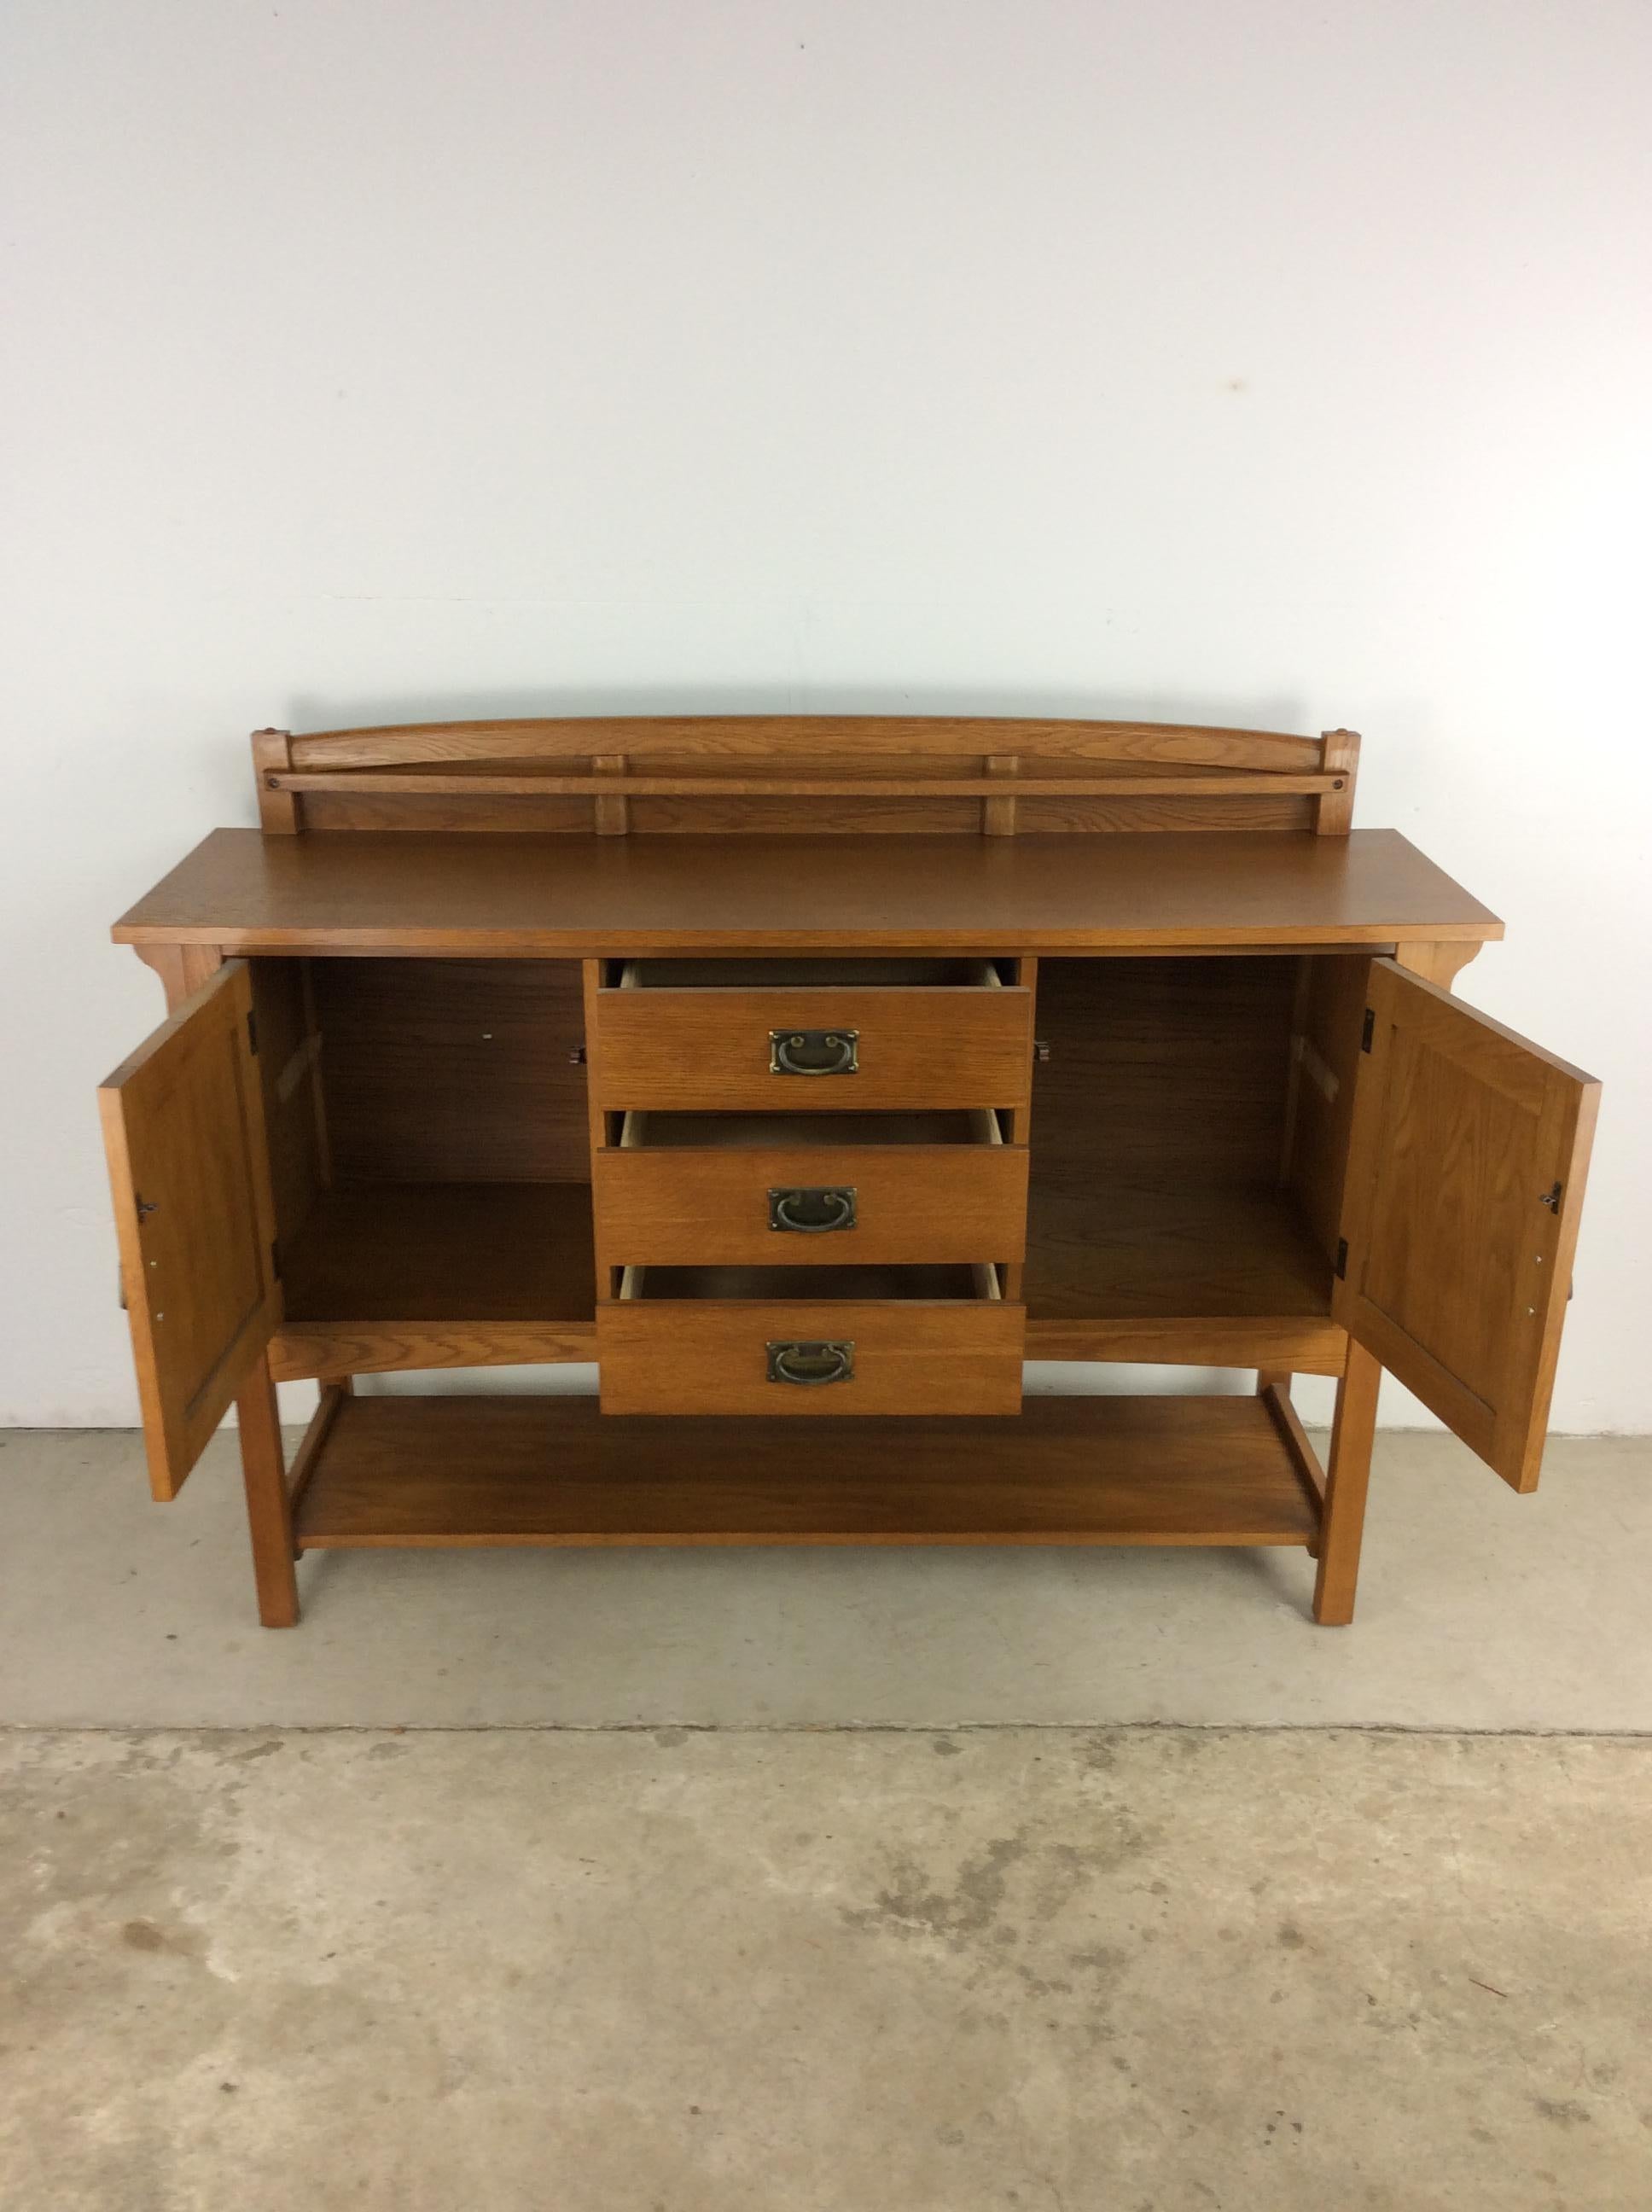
(483,1470)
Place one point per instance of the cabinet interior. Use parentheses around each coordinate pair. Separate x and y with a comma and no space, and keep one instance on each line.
(1189,1130)
(430,1138)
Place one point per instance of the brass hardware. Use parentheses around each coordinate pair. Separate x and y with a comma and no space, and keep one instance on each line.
(814,1052)
(813,1212)
(1041,1051)
(812,1363)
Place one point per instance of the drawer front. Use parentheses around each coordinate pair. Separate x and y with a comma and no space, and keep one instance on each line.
(850,1049)
(689,1356)
(795,1206)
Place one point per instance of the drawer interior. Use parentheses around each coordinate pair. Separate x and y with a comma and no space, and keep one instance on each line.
(750,1132)
(805,973)
(793,1285)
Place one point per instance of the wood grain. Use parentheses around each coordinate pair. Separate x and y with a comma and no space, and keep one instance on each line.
(454,1071)
(183,1125)
(1133,1255)
(1161,1073)
(637,783)
(913,1202)
(1327,1023)
(488,1471)
(290,1074)
(707,1354)
(272,757)
(707,1050)
(603,896)
(301,1350)
(1466,1164)
(1238,1340)
(1347,1484)
(732,737)
(439,1253)
(1334,811)
(269,1507)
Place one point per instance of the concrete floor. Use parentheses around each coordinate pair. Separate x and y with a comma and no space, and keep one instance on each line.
(680,1936)
(1477,1609)
(1091,1971)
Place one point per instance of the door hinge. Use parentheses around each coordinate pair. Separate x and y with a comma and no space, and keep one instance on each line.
(252,1032)
(1550,1199)
(1342,1258)
(275,1257)
(1370,1030)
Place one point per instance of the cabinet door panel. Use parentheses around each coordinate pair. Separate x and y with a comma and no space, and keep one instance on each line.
(183,1126)
(1466,1171)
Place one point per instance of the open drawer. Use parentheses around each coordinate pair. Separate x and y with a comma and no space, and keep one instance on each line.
(802,1190)
(819,1340)
(809,1035)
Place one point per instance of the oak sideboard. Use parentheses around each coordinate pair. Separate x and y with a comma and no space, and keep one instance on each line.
(808,1074)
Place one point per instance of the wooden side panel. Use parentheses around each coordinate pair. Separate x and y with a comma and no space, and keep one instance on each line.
(1466,1173)
(454,1071)
(289,1071)
(183,1123)
(1325,1056)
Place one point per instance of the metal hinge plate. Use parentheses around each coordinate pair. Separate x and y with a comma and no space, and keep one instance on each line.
(1342,1258)
(252,1032)
(1370,1030)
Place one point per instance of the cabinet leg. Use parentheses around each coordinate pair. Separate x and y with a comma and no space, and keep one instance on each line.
(268,1515)
(1346,1479)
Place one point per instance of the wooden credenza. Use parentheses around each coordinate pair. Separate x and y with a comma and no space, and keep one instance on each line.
(808,1074)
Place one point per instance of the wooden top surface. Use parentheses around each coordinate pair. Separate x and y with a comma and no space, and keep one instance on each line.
(490,893)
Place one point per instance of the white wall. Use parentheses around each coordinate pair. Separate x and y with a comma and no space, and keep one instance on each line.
(1282,364)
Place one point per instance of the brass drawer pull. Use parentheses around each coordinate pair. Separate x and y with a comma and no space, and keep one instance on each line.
(813,1212)
(812,1363)
(813,1052)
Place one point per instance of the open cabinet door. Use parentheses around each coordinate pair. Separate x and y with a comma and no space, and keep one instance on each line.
(1466,1169)
(183,1125)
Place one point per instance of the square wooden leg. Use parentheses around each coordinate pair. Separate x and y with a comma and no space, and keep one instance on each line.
(268,1514)
(1346,1479)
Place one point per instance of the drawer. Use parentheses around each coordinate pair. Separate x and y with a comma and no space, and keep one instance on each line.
(686,1036)
(807,1190)
(819,1341)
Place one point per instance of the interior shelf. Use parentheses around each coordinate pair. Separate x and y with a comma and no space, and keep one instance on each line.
(432,1251)
(554,1470)
(1135,1255)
